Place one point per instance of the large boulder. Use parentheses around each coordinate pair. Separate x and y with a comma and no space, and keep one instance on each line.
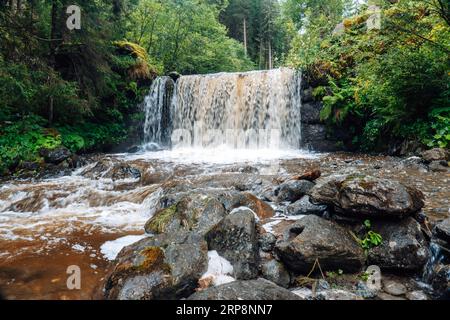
(441,233)
(293,190)
(404,247)
(246,199)
(235,238)
(56,155)
(196,212)
(163,267)
(275,271)
(313,238)
(304,207)
(365,196)
(259,289)
(436,154)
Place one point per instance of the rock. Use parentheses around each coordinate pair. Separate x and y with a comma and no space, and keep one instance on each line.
(442,231)
(259,289)
(28,166)
(274,271)
(55,156)
(197,212)
(337,295)
(307,95)
(311,175)
(364,291)
(386,296)
(235,239)
(365,196)
(441,281)
(404,247)
(162,267)
(416,163)
(245,199)
(174,75)
(394,288)
(438,166)
(416,296)
(293,190)
(267,242)
(134,149)
(314,238)
(304,207)
(311,112)
(436,154)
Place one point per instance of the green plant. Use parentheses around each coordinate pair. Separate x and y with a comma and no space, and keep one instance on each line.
(371,238)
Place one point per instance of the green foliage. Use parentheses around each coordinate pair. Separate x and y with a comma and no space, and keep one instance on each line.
(387,85)
(371,239)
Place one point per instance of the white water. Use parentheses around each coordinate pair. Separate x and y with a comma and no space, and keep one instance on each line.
(252,110)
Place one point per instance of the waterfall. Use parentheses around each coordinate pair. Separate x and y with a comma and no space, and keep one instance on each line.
(251,110)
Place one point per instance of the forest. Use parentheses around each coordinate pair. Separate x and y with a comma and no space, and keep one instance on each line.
(82,88)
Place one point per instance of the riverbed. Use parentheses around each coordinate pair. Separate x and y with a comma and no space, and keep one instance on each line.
(83,219)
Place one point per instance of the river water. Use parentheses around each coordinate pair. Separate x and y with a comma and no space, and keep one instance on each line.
(84,219)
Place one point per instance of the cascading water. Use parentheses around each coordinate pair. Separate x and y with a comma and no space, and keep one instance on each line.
(252,110)
(157,113)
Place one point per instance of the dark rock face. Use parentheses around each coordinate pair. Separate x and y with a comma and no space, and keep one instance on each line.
(442,231)
(436,154)
(274,271)
(293,190)
(260,289)
(235,239)
(55,156)
(314,238)
(267,242)
(403,248)
(311,112)
(365,196)
(439,166)
(198,213)
(441,281)
(304,207)
(314,137)
(163,267)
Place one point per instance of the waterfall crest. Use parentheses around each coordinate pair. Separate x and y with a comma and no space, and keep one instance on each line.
(252,110)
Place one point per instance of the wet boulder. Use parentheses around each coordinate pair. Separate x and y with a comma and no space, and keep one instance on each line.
(275,271)
(259,289)
(245,199)
(310,175)
(363,196)
(293,190)
(197,212)
(56,155)
(441,233)
(304,207)
(162,267)
(267,242)
(439,166)
(436,154)
(235,239)
(313,238)
(441,281)
(404,247)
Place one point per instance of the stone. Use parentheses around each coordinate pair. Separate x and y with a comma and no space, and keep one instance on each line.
(267,242)
(246,199)
(416,295)
(197,212)
(293,190)
(55,156)
(274,271)
(259,289)
(439,166)
(337,295)
(311,175)
(404,247)
(162,267)
(311,112)
(235,239)
(304,207)
(363,290)
(442,231)
(441,281)
(436,154)
(386,296)
(314,238)
(394,288)
(365,196)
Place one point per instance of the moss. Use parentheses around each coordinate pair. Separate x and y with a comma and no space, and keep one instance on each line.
(153,260)
(161,219)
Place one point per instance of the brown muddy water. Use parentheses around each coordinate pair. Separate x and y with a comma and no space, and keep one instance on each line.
(84,219)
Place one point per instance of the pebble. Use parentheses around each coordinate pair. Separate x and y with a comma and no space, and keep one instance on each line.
(394,288)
